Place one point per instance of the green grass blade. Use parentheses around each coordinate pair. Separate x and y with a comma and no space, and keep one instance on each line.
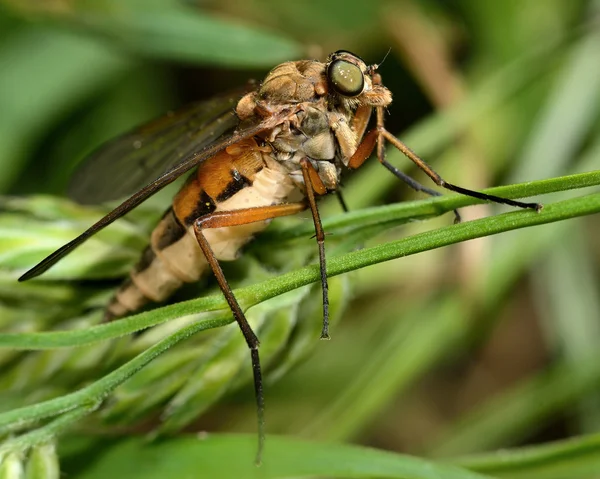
(572,103)
(340,264)
(336,265)
(509,416)
(570,308)
(569,459)
(17,418)
(569,113)
(29,105)
(177,32)
(402,212)
(404,354)
(232,457)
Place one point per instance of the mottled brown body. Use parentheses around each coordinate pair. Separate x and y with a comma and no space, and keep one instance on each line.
(259,171)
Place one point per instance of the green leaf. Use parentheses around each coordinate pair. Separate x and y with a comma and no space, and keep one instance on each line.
(574,458)
(11,466)
(42,463)
(177,32)
(340,264)
(232,457)
(274,287)
(510,416)
(44,83)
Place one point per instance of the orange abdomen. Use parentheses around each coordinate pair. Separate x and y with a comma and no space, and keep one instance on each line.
(241,176)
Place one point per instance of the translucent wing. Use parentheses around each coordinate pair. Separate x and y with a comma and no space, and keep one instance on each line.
(128,163)
(179,166)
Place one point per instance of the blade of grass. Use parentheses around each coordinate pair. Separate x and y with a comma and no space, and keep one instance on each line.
(284,458)
(46,433)
(568,116)
(336,265)
(507,264)
(98,390)
(577,84)
(29,105)
(433,239)
(570,307)
(568,459)
(403,356)
(567,274)
(510,416)
(409,210)
(176,32)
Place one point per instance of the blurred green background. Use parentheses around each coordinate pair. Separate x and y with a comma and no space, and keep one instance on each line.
(475,347)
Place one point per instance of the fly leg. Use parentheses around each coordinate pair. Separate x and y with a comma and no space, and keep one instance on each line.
(341,201)
(359,125)
(379,135)
(244,216)
(414,184)
(366,148)
(314,186)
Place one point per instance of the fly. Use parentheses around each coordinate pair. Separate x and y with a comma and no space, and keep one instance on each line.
(271,153)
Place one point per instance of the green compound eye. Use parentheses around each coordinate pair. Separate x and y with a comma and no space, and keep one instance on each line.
(346,78)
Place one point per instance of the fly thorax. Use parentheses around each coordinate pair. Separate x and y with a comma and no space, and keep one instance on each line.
(320,142)
(294,82)
(307,136)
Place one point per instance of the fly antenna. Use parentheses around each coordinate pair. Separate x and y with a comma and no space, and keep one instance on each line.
(377,65)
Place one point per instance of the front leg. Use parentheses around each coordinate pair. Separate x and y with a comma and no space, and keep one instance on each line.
(357,154)
(379,135)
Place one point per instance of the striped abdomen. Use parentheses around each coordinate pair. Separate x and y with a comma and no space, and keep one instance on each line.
(241,176)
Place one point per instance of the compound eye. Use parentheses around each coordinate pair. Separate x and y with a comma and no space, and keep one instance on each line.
(346,78)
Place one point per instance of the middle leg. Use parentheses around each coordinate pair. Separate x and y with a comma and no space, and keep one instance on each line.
(236,218)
